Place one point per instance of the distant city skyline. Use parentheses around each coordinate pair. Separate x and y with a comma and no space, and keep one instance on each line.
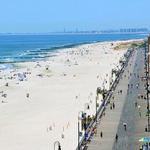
(122,30)
(56,15)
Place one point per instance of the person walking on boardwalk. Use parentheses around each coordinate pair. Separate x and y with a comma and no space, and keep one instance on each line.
(113,105)
(101,134)
(127,91)
(128,85)
(113,97)
(139,107)
(125,126)
(120,91)
(140,114)
(137,85)
(116,138)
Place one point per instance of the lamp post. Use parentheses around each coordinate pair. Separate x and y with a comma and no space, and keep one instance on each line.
(58,144)
(98,91)
(103,92)
(96,99)
(86,123)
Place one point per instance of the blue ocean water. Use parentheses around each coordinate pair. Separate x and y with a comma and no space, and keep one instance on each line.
(16,48)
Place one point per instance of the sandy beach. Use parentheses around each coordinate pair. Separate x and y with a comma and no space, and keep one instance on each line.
(40,101)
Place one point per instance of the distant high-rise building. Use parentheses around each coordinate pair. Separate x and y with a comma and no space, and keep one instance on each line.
(131,30)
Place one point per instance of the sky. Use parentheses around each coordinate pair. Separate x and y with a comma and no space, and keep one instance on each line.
(57,15)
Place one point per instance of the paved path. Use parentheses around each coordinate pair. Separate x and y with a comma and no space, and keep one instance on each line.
(134,117)
(124,112)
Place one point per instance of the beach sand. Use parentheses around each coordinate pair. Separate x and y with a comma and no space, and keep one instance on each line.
(43,108)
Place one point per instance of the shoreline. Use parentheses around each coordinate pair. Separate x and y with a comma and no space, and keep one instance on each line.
(58,49)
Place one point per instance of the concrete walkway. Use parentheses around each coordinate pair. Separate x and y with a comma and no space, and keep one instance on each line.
(124,112)
(134,116)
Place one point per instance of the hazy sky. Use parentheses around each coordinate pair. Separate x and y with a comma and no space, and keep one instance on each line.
(55,15)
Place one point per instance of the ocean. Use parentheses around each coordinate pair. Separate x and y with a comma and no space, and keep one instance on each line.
(20,48)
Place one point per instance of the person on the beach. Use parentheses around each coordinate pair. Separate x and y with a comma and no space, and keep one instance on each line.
(6,84)
(62,136)
(59,147)
(27,95)
(4,95)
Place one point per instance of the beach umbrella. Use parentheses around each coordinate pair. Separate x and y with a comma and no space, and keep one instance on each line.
(144,139)
(21,76)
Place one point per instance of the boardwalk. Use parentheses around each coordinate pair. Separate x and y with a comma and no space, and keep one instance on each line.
(129,110)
